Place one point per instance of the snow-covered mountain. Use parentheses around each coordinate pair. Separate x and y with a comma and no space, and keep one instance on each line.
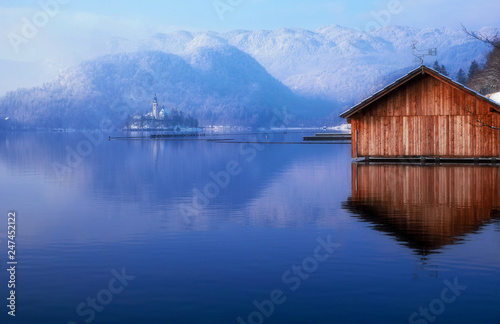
(239,77)
(333,62)
(218,85)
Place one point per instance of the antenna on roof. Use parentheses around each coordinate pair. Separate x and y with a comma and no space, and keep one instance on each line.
(421,54)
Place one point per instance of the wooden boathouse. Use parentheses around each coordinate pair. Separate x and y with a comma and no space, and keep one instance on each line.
(425,115)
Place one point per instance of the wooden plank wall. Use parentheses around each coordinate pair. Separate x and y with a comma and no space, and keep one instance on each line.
(426,117)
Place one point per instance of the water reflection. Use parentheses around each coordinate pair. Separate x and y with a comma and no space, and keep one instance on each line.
(135,188)
(425,207)
(120,208)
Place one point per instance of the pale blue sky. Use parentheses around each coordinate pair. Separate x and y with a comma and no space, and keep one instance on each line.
(76,24)
(271,14)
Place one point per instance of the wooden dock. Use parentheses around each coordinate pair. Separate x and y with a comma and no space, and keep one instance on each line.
(328,137)
(427,160)
(160,136)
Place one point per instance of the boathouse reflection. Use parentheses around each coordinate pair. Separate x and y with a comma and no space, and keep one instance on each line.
(425,207)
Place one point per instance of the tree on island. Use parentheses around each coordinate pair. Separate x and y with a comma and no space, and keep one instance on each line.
(179,118)
(176,119)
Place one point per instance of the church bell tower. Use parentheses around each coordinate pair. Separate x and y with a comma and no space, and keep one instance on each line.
(155,107)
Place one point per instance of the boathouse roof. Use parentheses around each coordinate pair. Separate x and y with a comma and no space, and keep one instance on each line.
(422,70)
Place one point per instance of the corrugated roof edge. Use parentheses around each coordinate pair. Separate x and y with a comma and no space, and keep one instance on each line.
(420,70)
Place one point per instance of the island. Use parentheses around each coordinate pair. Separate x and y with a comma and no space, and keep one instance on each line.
(161,119)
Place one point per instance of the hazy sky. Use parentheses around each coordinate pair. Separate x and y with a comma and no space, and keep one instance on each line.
(74,27)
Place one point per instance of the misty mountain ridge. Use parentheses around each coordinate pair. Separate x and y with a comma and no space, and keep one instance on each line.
(218,84)
(330,62)
(238,77)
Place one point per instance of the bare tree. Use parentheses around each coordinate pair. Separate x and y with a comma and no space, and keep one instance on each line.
(494,41)
(478,121)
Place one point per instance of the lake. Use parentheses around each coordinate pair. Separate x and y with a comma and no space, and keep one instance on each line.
(236,231)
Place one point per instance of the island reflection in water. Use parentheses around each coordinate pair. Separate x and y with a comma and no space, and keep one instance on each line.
(425,207)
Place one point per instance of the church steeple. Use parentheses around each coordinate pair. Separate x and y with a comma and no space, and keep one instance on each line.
(155,107)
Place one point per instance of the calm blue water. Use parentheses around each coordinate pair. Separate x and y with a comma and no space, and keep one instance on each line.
(208,232)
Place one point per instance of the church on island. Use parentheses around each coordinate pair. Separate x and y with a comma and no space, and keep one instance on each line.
(162,114)
(160,119)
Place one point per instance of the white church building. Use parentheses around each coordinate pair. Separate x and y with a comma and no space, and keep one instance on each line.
(156,113)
